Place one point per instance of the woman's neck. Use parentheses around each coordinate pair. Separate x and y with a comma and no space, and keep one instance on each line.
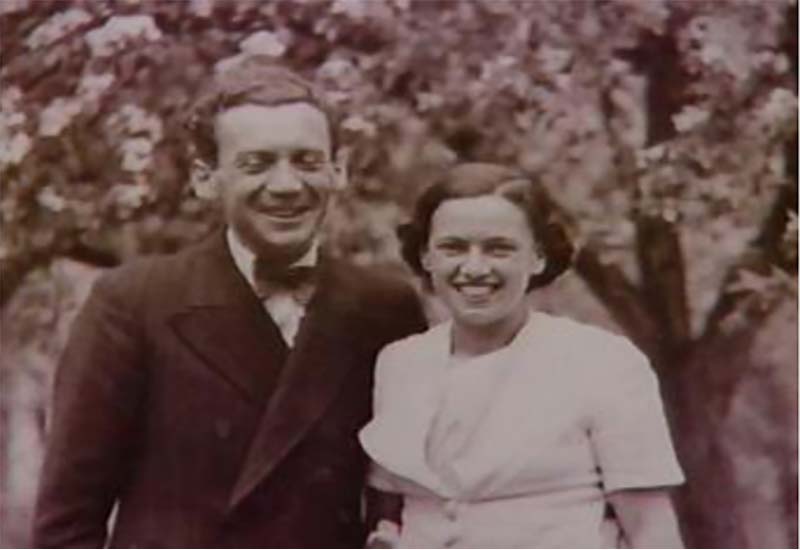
(471,341)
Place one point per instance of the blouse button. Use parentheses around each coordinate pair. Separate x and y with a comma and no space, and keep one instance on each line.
(451,509)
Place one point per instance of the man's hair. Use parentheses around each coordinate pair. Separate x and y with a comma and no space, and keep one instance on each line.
(256,80)
(482,179)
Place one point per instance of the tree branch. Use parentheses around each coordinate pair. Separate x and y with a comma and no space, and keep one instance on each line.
(759,258)
(623,300)
(14,270)
(660,257)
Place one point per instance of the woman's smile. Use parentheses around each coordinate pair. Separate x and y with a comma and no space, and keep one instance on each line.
(478,293)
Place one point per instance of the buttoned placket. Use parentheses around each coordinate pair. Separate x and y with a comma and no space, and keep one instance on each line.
(451,509)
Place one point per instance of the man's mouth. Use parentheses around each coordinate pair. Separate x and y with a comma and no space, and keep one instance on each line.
(285,212)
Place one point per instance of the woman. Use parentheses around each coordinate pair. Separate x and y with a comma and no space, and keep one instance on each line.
(505,427)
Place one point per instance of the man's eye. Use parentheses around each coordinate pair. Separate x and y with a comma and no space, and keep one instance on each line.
(254,164)
(308,160)
(451,248)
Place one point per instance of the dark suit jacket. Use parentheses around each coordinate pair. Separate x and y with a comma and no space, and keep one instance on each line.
(177,399)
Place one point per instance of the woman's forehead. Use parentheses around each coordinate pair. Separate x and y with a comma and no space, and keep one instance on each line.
(484,214)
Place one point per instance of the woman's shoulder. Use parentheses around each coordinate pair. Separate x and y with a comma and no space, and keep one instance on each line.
(415,344)
(589,345)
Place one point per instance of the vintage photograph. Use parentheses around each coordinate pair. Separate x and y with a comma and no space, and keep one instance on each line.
(398,274)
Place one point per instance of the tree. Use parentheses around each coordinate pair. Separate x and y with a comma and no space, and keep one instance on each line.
(664,132)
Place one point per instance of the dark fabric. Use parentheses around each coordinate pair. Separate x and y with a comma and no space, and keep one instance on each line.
(177,399)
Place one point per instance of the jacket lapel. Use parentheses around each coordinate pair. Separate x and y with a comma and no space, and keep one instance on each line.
(224,323)
(323,354)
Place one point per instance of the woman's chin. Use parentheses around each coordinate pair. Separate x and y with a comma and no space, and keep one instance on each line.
(477,317)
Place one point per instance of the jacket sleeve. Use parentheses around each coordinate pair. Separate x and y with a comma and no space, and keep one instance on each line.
(406,315)
(94,420)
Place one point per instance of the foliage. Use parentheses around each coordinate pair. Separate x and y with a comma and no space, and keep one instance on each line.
(673,116)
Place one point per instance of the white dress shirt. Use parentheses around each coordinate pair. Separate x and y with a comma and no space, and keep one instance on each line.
(284,306)
(520,447)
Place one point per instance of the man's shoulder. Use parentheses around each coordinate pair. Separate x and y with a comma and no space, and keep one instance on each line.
(143,275)
(375,285)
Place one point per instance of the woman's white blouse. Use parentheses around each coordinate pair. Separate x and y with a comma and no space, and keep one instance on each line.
(516,448)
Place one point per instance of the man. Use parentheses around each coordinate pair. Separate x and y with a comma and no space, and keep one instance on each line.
(214,396)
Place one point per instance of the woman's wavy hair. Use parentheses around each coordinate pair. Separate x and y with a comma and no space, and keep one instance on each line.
(480,179)
(250,79)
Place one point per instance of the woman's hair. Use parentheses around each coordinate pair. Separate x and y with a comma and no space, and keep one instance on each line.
(254,79)
(480,179)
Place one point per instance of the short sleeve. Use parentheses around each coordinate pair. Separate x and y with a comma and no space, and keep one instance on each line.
(380,385)
(378,476)
(628,427)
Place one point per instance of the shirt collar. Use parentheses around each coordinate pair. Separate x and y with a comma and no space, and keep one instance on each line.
(245,259)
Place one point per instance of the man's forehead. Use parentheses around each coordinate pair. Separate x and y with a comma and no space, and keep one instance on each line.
(299,122)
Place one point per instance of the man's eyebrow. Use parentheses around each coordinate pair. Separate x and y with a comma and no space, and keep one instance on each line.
(247,155)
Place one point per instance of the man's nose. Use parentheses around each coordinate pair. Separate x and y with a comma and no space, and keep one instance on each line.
(283,180)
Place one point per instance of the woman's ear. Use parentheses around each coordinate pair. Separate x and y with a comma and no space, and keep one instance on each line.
(538,263)
(204,180)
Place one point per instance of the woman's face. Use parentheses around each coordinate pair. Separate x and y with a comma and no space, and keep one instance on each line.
(480,255)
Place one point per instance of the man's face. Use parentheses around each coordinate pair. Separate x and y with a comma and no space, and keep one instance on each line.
(274,175)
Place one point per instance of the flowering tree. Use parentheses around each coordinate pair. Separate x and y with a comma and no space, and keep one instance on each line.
(664,133)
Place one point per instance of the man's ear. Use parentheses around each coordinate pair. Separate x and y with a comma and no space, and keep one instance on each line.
(340,162)
(425,259)
(204,180)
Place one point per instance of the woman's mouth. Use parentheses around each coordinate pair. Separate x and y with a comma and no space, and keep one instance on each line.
(473,291)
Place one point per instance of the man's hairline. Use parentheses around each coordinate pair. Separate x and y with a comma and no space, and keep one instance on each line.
(281,103)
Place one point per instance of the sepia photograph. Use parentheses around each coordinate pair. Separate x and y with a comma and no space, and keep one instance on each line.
(398,274)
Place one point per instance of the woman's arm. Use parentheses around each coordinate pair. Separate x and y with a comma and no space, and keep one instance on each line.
(647,518)
(383,513)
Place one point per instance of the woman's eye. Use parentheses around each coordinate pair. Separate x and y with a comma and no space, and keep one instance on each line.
(308,160)
(500,250)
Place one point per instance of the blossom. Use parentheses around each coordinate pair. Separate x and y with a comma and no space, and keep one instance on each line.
(427,101)
(357,9)
(202,8)
(92,86)
(339,71)
(135,121)
(58,115)
(130,196)
(137,154)
(118,30)
(781,104)
(51,200)
(57,27)
(14,150)
(359,124)
(8,7)
(690,117)
(265,43)
(553,60)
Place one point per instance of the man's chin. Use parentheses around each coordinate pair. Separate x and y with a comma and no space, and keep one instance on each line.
(289,245)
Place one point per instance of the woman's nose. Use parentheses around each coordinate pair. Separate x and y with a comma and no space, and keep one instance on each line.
(475,264)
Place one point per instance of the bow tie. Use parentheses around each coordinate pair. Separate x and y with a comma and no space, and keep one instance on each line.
(270,278)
